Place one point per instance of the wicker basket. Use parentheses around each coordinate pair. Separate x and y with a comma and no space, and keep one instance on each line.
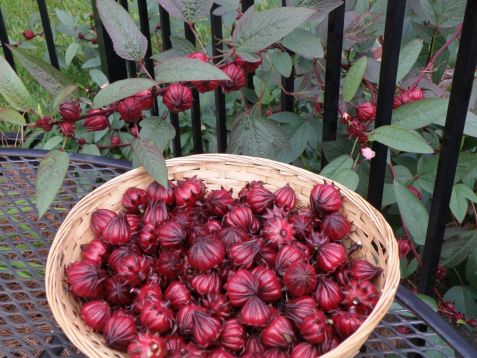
(230,171)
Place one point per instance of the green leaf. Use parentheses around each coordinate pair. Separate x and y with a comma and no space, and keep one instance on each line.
(471,268)
(98,77)
(51,173)
(65,18)
(458,202)
(13,89)
(90,149)
(64,94)
(413,213)
(158,131)
(353,78)
(187,10)
(304,43)
(150,156)
(401,139)
(53,142)
(282,62)
(431,302)
(182,46)
(408,57)
(342,162)
(323,7)
(120,90)
(347,177)
(262,90)
(464,300)
(188,69)
(408,267)
(128,42)
(11,116)
(255,31)
(457,247)
(71,52)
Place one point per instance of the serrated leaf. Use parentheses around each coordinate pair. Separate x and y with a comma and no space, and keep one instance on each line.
(182,46)
(419,114)
(188,69)
(304,43)
(13,89)
(45,74)
(90,149)
(255,31)
(322,7)
(151,158)
(53,142)
(64,94)
(128,42)
(11,116)
(120,90)
(353,78)
(157,130)
(408,57)
(51,173)
(401,139)
(464,298)
(282,62)
(413,213)
(457,247)
(187,10)
(71,52)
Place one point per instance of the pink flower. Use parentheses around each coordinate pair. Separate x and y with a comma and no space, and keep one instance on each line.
(368,153)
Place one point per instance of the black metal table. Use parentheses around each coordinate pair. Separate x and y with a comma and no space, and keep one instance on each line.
(27,327)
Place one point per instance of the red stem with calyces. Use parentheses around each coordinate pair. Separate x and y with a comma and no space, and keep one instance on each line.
(114,146)
(436,56)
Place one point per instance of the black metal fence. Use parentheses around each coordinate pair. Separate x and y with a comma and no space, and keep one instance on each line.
(116,68)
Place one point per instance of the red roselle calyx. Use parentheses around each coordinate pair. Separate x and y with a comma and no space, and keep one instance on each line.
(217,305)
(313,328)
(189,191)
(285,198)
(117,291)
(269,287)
(255,312)
(335,226)
(206,329)
(156,316)
(184,318)
(169,263)
(149,293)
(177,294)
(148,345)
(133,268)
(85,279)
(96,122)
(279,333)
(28,35)
(300,278)
(364,270)
(206,253)
(134,200)
(325,199)
(177,98)
(115,140)
(100,219)
(95,252)
(197,55)
(68,129)
(219,201)
(171,234)
(241,217)
(69,111)
(146,98)
(236,75)
(248,67)
(299,308)
(44,123)
(330,256)
(117,231)
(206,283)
(286,256)
(242,254)
(241,287)
(156,213)
(231,236)
(366,111)
(95,314)
(130,109)
(278,231)
(134,222)
(156,191)
(346,323)
(119,330)
(328,294)
(233,335)
(259,198)
(220,353)
(361,294)
(304,350)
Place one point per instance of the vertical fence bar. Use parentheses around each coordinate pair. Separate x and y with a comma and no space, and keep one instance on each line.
(5,41)
(334,48)
(288,83)
(220,110)
(195,112)
(112,65)
(249,81)
(131,65)
(453,130)
(50,42)
(166,45)
(387,83)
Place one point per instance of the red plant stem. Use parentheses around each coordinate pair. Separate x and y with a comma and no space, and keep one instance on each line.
(436,56)
(98,113)
(114,146)
(413,249)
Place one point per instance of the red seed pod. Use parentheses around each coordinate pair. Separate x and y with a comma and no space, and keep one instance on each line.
(133,267)
(150,292)
(44,123)
(197,55)
(218,202)
(130,109)
(184,318)
(217,305)
(300,278)
(134,201)
(335,226)
(174,344)
(346,323)
(236,75)
(233,335)
(330,256)
(206,253)
(117,291)
(286,256)
(189,191)
(85,279)
(366,111)
(304,350)
(171,234)
(279,333)
(254,346)
(269,287)
(255,313)
(95,122)
(206,329)
(119,330)
(278,231)
(285,197)
(134,222)
(325,199)
(100,219)
(68,129)
(146,98)
(404,246)
(156,316)
(232,235)
(207,283)
(28,35)
(241,287)
(248,67)
(69,111)
(147,345)
(328,294)
(362,294)
(302,225)
(220,353)
(415,94)
(275,353)
(243,254)
(148,241)
(241,217)
(177,294)
(259,198)
(328,344)
(156,191)
(364,270)
(95,314)
(205,86)
(117,232)
(156,213)
(313,328)
(95,252)
(299,308)
(169,263)
(177,98)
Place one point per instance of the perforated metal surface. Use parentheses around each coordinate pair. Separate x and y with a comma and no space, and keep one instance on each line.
(27,328)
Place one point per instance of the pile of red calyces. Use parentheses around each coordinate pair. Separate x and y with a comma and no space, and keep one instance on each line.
(186,272)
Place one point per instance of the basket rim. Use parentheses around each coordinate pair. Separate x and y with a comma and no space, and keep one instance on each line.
(391,281)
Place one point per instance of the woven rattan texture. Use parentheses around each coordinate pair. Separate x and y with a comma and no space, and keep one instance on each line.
(27,328)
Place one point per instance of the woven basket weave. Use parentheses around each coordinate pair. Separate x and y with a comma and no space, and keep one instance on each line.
(229,171)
